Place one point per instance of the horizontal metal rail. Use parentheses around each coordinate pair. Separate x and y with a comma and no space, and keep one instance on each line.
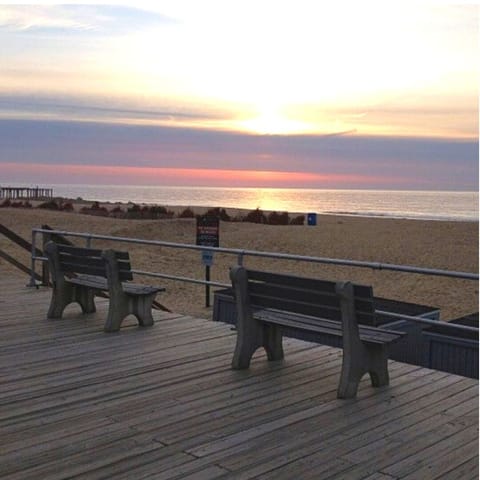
(181,279)
(241,253)
(427,321)
(285,256)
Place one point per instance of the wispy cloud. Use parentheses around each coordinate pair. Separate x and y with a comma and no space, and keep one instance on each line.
(88,108)
(91,19)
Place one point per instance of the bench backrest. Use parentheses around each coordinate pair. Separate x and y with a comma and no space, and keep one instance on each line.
(307,296)
(74,260)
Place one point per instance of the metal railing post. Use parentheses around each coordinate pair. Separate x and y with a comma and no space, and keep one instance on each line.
(240,258)
(32,265)
(46,237)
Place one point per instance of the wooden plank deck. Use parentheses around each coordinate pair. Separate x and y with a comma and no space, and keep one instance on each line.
(163,403)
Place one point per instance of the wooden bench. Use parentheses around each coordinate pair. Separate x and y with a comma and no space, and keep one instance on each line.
(270,305)
(80,273)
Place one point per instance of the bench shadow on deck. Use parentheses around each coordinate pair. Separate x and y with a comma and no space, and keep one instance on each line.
(162,402)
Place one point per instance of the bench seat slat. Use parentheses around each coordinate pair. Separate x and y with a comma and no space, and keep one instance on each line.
(312,309)
(96,261)
(121,255)
(101,284)
(84,269)
(303,282)
(302,307)
(324,326)
(290,280)
(125,275)
(89,252)
(294,293)
(79,260)
(308,318)
(90,281)
(93,266)
(137,289)
(79,251)
(124,265)
(308,296)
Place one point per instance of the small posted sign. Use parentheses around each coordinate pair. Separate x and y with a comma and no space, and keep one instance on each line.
(207,258)
(208,228)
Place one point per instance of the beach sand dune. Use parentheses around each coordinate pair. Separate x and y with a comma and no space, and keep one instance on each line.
(432,244)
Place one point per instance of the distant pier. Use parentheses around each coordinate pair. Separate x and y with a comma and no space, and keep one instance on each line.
(29,193)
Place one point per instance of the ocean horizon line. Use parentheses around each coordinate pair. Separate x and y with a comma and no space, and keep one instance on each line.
(411,204)
(216,187)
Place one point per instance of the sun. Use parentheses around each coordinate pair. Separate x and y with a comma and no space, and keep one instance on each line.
(271,121)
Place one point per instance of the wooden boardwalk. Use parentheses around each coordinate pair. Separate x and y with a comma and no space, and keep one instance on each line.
(163,403)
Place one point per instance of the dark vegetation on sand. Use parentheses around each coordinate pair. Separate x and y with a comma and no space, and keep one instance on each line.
(154,212)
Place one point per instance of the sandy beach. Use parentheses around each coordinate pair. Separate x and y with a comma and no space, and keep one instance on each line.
(433,244)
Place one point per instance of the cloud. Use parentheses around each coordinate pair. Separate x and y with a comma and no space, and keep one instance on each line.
(91,19)
(88,108)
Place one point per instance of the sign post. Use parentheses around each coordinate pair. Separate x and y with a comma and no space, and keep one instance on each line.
(208,228)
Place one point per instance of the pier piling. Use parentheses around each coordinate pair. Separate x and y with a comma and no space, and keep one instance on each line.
(28,193)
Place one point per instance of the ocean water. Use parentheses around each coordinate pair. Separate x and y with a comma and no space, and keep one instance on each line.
(432,205)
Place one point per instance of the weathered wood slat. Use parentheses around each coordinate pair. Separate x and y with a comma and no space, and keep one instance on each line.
(303,283)
(368,427)
(318,325)
(308,296)
(90,280)
(468,470)
(79,251)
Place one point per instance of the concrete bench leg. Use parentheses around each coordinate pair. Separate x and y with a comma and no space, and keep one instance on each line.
(272,342)
(66,294)
(120,306)
(358,358)
(141,307)
(121,303)
(378,365)
(58,303)
(352,373)
(117,311)
(85,297)
(370,359)
(249,338)
(252,335)
(249,332)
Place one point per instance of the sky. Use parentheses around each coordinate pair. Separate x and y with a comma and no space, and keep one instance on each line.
(292,93)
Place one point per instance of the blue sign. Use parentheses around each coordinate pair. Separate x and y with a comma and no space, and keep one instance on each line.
(207,258)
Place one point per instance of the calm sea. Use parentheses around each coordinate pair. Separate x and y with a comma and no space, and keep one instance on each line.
(398,204)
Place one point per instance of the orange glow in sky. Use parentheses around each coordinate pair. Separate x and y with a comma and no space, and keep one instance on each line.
(184,176)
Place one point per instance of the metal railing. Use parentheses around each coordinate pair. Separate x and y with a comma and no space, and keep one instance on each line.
(241,254)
